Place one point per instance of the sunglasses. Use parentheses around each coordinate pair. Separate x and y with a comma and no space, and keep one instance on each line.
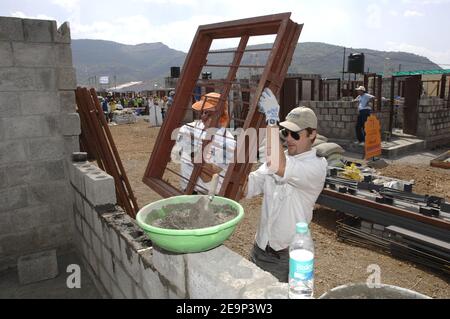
(206,113)
(295,135)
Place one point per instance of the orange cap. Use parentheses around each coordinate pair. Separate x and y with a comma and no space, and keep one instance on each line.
(210,101)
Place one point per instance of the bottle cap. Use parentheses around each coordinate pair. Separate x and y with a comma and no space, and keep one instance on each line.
(302,228)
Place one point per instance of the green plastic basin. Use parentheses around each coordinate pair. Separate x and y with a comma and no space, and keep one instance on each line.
(187,241)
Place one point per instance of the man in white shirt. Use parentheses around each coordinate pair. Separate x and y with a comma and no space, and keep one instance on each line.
(291,186)
(188,149)
(364,111)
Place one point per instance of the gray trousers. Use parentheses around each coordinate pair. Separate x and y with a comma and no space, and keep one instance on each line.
(275,263)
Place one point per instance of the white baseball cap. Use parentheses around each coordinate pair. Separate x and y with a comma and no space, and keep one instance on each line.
(361,88)
(299,119)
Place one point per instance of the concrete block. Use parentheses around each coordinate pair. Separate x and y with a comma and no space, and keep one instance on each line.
(259,290)
(45,80)
(88,214)
(30,126)
(34,54)
(6,54)
(20,243)
(116,244)
(97,247)
(71,145)
(87,233)
(79,204)
(3,181)
(37,267)
(130,259)
(107,261)
(139,293)
(97,225)
(221,273)
(11,29)
(38,30)
(63,55)
(150,279)
(67,101)
(175,295)
(62,34)
(378,227)
(67,79)
(5,224)
(46,149)
(49,193)
(105,279)
(172,268)
(124,281)
(31,217)
(78,176)
(100,188)
(71,124)
(23,174)
(17,79)
(56,235)
(13,198)
(116,292)
(77,219)
(9,104)
(93,262)
(36,103)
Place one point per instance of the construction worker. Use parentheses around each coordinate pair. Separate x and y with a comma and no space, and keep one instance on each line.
(291,182)
(364,111)
(188,149)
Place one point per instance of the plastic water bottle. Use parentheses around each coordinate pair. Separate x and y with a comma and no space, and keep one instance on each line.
(301,264)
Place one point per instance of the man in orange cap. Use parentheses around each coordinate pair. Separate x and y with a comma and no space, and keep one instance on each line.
(190,140)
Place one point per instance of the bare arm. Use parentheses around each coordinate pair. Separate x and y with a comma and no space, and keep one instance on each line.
(276,159)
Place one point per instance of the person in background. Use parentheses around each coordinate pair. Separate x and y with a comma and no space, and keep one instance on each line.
(170,99)
(364,111)
(190,141)
(105,108)
(291,182)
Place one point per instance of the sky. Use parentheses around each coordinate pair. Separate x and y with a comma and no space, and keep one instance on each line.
(416,26)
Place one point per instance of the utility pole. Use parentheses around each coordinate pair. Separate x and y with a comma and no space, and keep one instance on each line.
(399,68)
(343,65)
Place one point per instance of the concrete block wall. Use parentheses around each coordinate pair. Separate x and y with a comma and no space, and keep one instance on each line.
(337,119)
(38,132)
(434,121)
(123,263)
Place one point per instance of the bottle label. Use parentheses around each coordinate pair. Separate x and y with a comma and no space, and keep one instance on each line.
(301,265)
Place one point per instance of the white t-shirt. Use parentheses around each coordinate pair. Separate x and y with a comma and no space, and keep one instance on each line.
(288,200)
(220,152)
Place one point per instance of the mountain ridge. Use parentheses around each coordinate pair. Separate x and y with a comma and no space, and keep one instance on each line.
(149,61)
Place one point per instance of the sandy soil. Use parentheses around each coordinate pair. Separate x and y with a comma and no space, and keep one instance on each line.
(337,263)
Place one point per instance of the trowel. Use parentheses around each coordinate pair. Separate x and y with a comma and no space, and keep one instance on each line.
(213,187)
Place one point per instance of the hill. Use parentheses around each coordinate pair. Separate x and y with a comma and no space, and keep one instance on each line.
(153,60)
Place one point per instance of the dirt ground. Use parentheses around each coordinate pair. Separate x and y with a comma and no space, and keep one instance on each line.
(337,263)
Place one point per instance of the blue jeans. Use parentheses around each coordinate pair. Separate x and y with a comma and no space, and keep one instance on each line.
(362,118)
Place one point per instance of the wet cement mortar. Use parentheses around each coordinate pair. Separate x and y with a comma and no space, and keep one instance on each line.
(201,214)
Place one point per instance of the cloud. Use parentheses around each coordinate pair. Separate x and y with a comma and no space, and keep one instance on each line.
(69,5)
(374,16)
(441,58)
(412,13)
